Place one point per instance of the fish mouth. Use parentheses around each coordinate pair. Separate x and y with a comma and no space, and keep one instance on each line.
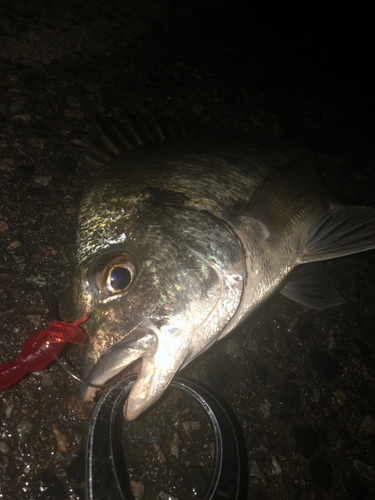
(151,382)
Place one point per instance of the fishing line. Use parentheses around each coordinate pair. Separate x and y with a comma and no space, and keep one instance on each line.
(79,379)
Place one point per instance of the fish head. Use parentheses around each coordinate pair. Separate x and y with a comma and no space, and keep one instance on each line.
(161,293)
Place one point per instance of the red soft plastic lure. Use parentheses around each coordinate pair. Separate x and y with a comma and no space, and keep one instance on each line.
(39,349)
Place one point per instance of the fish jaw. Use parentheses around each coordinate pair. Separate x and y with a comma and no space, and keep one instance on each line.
(160,362)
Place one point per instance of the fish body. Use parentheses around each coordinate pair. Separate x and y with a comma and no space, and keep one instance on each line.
(180,241)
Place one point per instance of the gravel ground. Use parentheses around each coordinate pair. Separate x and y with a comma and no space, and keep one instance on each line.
(301,382)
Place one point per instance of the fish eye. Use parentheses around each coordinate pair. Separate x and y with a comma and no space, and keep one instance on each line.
(113,273)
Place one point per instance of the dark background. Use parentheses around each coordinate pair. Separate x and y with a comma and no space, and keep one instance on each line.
(301,382)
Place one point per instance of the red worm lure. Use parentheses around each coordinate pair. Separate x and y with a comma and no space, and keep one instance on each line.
(39,349)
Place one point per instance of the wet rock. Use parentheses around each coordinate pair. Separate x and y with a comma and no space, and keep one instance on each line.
(138,489)
(190,427)
(252,345)
(23,429)
(265,408)
(255,473)
(24,118)
(7,164)
(366,471)
(233,348)
(62,440)
(341,397)
(321,473)
(158,454)
(305,439)
(175,445)
(325,364)
(332,343)
(13,246)
(3,226)
(4,448)
(165,496)
(42,180)
(368,424)
(276,467)
(36,143)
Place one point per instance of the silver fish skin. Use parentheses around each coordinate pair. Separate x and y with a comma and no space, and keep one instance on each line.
(181,241)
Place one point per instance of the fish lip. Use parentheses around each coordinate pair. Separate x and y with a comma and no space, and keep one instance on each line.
(140,342)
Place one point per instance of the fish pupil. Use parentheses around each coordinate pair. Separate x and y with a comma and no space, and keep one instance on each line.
(120,278)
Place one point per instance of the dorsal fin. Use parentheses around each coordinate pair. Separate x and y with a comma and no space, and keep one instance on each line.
(115,137)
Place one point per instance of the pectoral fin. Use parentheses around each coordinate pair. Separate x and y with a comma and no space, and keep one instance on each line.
(341,231)
(310,287)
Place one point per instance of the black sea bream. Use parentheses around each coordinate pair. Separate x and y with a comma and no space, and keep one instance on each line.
(179,240)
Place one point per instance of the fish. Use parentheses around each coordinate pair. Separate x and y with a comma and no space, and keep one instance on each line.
(185,232)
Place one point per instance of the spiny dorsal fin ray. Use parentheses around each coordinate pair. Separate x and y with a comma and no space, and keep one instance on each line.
(310,287)
(115,137)
(341,231)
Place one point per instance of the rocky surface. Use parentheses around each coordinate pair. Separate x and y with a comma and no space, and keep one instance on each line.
(301,382)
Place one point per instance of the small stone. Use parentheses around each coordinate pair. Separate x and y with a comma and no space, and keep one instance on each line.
(3,226)
(190,427)
(12,246)
(25,118)
(7,164)
(341,397)
(17,105)
(9,81)
(137,489)
(62,440)
(366,471)
(165,496)
(233,348)
(255,474)
(158,453)
(35,142)
(265,408)
(332,343)
(3,143)
(74,113)
(316,394)
(175,445)
(23,429)
(42,180)
(4,448)
(368,424)
(263,449)
(276,467)
(34,319)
